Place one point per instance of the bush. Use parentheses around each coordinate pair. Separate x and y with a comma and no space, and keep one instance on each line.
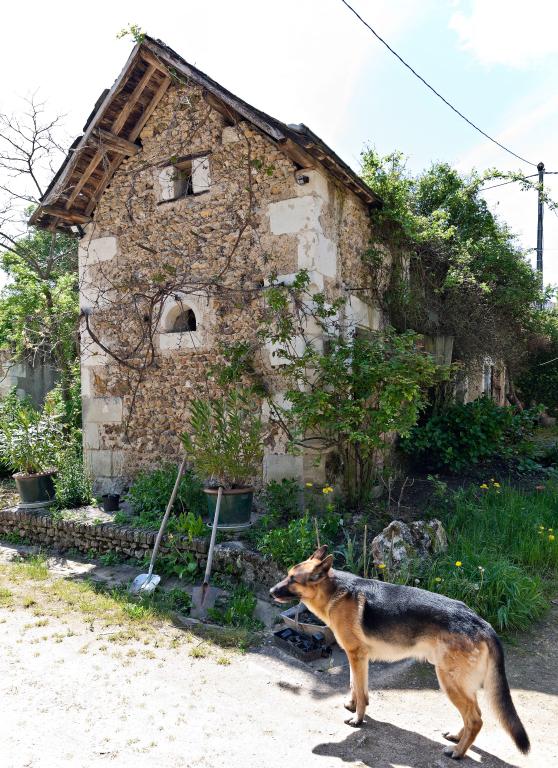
(465,434)
(72,481)
(281,500)
(149,495)
(290,545)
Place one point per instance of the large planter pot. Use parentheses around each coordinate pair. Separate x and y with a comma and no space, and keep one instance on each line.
(35,491)
(236,506)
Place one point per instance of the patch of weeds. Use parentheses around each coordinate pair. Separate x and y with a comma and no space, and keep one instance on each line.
(238,610)
(28,601)
(224,661)
(33,567)
(6,598)
(199,651)
(110,558)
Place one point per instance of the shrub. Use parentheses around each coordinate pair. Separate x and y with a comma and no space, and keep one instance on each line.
(224,438)
(467,433)
(238,610)
(72,482)
(281,500)
(150,492)
(297,540)
(30,439)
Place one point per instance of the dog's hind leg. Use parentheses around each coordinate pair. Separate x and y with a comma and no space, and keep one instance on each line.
(466,702)
(358,697)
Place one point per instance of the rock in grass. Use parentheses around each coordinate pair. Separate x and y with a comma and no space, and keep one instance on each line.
(400,543)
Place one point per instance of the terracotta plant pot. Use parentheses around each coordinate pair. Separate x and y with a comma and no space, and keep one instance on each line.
(236,506)
(35,491)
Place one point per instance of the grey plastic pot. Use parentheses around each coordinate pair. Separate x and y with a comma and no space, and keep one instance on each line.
(35,491)
(236,506)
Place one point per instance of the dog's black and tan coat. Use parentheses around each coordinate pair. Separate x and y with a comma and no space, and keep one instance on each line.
(387,622)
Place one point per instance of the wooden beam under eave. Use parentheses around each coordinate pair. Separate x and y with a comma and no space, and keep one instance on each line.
(219,106)
(133,99)
(159,93)
(298,154)
(149,57)
(93,163)
(71,216)
(115,143)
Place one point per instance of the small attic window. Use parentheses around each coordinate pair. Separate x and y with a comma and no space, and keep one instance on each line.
(184,177)
(184,322)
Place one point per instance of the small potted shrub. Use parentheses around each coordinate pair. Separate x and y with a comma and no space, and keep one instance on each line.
(29,442)
(224,445)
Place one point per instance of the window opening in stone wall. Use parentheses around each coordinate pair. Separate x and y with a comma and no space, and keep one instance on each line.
(183,179)
(184,322)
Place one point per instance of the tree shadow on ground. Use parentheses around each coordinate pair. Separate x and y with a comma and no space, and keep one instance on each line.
(383,745)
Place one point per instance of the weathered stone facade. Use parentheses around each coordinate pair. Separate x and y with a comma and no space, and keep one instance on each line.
(258,213)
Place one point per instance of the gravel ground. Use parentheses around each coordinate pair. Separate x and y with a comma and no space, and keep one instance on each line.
(80,690)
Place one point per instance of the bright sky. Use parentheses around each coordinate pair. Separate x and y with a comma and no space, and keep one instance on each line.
(311,61)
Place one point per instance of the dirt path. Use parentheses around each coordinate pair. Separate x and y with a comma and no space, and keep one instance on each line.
(80,692)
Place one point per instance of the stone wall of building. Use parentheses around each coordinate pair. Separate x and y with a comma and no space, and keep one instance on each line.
(252,213)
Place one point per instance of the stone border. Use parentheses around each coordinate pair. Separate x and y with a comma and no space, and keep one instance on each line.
(232,558)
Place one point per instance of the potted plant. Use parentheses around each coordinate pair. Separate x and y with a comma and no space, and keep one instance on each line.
(29,442)
(224,444)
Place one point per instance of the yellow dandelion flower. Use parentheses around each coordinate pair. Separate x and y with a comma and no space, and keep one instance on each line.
(458,563)
(496,485)
(484,486)
(309,485)
(438,579)
(551,537)
(381,566)
(551,530)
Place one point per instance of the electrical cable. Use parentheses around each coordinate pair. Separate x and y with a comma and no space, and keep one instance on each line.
(439,95)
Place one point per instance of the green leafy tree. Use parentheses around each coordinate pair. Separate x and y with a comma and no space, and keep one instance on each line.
(465,275)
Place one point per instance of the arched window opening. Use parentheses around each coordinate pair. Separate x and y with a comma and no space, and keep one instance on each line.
(184,322)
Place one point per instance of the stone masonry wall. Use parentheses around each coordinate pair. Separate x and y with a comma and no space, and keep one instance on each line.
(250,220)
(91,539)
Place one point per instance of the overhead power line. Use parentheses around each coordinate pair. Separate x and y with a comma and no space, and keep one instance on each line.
(439,95)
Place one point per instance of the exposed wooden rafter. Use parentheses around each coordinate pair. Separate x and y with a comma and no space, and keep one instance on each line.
(115,143)
(132,100)
(160,92)
(70,216)
(78,186)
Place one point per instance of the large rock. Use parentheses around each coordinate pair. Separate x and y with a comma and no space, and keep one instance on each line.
(399,543)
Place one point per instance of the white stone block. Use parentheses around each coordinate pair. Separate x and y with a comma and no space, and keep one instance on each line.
(288,217)
(91,436)
(317,253)
(102,410)
(317,184)
(174,342)
(98,249)
(359,314)
(297,346)
(201,176)
(166,179)
(280,466)
(104,463)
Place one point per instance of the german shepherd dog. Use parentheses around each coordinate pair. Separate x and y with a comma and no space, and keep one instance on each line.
(377,620)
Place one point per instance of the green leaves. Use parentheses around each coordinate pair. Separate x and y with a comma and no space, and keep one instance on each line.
(224,438)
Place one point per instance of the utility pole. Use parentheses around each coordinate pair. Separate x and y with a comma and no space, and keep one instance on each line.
(540,168)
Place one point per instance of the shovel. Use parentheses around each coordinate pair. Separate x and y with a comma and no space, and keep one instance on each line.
(204,597)
(145,583)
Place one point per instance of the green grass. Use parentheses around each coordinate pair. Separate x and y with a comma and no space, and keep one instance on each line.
(503,540)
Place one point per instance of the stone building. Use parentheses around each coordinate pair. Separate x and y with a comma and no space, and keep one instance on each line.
(186,200)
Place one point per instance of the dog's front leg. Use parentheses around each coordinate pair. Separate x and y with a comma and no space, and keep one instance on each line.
(350,701)
(358,697)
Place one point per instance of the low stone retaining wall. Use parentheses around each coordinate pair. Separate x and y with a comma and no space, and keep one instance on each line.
(94,539)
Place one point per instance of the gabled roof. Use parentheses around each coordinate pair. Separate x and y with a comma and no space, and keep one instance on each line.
(112,130)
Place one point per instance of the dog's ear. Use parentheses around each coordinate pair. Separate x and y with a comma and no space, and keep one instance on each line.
(320,553)
(321,569)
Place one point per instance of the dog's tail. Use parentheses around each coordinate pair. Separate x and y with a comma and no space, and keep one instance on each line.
(496,685)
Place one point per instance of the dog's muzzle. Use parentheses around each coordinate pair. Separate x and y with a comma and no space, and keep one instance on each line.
(281,592)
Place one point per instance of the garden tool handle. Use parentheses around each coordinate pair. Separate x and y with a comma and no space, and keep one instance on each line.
(213,535)
(166,517)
